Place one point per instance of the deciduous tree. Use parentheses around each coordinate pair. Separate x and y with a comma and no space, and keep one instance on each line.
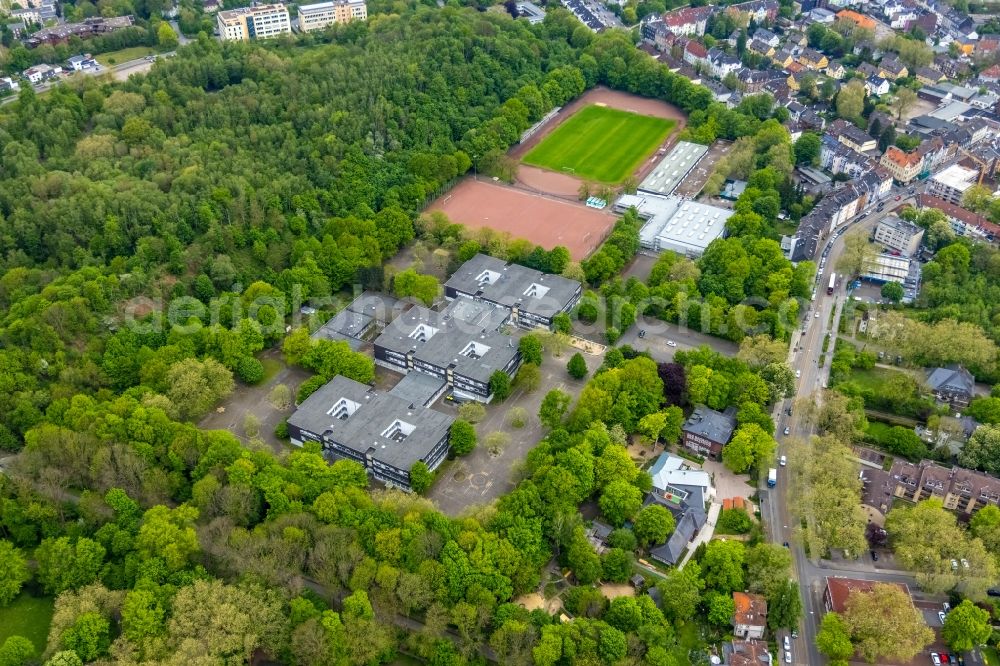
(884,624)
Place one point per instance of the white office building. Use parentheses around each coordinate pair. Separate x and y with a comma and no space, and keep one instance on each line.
(322,14)
(257,22)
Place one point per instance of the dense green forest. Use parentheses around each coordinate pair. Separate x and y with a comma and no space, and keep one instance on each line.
(140,223)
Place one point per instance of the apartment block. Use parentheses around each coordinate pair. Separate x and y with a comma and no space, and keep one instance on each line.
(961,490)
(256,22)
(952,183)
(322,14)
(898,235)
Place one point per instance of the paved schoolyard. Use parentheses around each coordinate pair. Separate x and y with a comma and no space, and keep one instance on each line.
(479,478)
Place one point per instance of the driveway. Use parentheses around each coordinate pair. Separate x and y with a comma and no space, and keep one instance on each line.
(479,478)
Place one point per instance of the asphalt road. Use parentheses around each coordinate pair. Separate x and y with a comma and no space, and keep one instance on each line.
(804,355)
(119,72)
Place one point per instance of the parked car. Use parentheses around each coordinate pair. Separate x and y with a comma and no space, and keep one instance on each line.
(941,616)
(788,657)
(671,343)
(798,373)
(788,643)
(965,563)
(787,431)
(954,565)
(795,633)
(816,316)
(642,332)
(935,659)
(783,461)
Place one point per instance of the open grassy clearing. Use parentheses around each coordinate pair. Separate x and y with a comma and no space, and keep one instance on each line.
(118,57)
(29,617)
(600,143)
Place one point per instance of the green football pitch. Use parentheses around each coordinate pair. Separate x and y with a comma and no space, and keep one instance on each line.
(600,143)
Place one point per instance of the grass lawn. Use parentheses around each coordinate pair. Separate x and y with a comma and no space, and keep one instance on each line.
(29,617)
(118,57)
(600,143)
(271,368)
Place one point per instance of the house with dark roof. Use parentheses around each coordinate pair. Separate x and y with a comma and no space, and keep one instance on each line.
(706,431)
(953,385)
(890,67)
(383,432)
(532,297)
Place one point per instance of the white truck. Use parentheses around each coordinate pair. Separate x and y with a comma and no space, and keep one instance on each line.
(772,477)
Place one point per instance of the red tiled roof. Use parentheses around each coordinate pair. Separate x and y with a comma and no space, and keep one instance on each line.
(860,19)
(751,609)
(838,589)
(901,158)
(959,213)
(696,49)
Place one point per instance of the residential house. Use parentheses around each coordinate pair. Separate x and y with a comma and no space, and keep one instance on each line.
(783,59)
(40,73)
(990,74)
(766,36)
(796,38)
(898,235)
(866,70)
(751,80)
(721,63)
(964,491)
(684,492)
(821,15)
(79,63)
(953,68)
(256,22)
(760,48)
(903,166)
(876,86)
(860,20)
(746,653)
(7,84)
(837,157)
(963,222)
(706,431)
(749,615)
(930,76)
(852,136)
(759,11)
(688,20)
(85,29)
(695,54)
(891,68)
(813,59)
(953,385)
(836,70)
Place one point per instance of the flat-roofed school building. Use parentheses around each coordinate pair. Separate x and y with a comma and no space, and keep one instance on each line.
(321,14)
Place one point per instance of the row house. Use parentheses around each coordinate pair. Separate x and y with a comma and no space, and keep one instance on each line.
(836,158)
(761,48)
(688,20)
(852,136)
(961,490)
(904,166)
(752,80)
(963,222)
(766,36)
(891,68)
(930,76)
(813,59)
(695,54)
(757,10)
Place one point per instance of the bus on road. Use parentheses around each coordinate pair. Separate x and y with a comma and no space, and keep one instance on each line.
(833,283)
